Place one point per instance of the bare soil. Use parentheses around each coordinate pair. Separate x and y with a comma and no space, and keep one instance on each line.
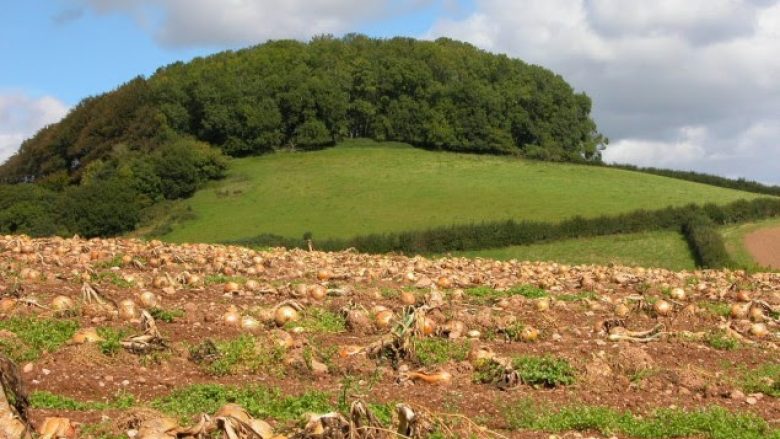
(764,246)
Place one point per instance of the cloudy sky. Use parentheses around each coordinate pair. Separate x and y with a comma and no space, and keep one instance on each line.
(688,84)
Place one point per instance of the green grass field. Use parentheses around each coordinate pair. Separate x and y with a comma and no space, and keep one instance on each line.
(651,249)
(364,187)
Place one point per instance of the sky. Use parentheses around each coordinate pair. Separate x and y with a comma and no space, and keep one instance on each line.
(683,84)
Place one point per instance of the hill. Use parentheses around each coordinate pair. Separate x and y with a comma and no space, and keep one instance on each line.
(364,187)
(288,94)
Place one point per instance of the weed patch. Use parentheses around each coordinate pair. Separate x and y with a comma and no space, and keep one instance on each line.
(34,336)
(712,422)
(430,351)
(260,402)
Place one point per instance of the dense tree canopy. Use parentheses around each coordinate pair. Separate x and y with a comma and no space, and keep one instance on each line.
(289,94)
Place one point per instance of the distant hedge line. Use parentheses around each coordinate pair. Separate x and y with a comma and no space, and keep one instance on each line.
(705,242)
(501,234)
(740,184)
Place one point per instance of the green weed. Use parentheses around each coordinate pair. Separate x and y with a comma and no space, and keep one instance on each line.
(261,402)
(722,341)
(112,340)
(765,379)
(51,401)
(167,316)
(430,351)
(320,320)
(34,336)
(712,422)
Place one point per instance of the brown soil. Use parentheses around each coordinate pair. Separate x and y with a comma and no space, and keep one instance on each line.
(764,246)
(674,371)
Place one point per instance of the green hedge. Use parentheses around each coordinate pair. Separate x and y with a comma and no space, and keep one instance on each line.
(705,242)
(501,234)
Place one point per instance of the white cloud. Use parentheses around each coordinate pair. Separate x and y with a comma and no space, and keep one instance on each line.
(22,115)
(685,84)
(688,147)
(232,22)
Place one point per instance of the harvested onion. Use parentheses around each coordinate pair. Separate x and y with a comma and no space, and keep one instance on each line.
(317,292)
(677,294)
(662,308)
(740,310)
(231,316)
(529,334)
(440,377)
(250,323)
(149,299)
(407,298)
(86,335)
(383,318)
(127,309)
(62,304)
(285,314)
(759,330)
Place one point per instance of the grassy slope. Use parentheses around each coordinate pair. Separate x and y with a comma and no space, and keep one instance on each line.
(651,249)
(734,236)
(364,187)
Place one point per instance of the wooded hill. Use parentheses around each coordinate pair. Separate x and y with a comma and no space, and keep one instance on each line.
(438,94)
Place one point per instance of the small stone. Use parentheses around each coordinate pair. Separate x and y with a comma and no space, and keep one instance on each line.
(29,367)
(751,400)
(125,382)
(557,337)
(108,378)
(736,395)
(101,384)
(45,371)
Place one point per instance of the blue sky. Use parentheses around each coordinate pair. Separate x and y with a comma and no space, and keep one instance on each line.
(685,84)
(68,51)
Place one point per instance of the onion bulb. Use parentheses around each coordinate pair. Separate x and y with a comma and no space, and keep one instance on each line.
(383,318)
(231,287)
(231,316)
(317,292)
(282,339)
(407,298)
(473,334)
(529,334)
(622,310)
(662,307)
(757,314)
(62,304)
(542,305)
(250,323)
(324,275)
(86,335)
(7,304)
(60,428)
(759,330)
(739,310)
(440,377)
(480,353)
(677,294)
(252,285)
(444,283)
(149,299)
(427,326)
(234,411)
(127,309)
(743,296)
(285,314)
(349,350)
